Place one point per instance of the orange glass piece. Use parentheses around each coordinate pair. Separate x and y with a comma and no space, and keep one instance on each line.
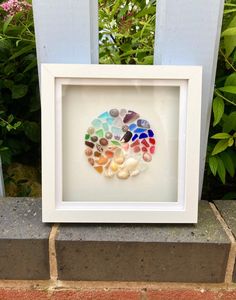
(99,169)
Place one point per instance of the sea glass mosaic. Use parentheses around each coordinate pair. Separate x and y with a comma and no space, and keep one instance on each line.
(119,143)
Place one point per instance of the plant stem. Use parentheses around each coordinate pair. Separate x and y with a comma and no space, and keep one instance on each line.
(221,96)
(227,61)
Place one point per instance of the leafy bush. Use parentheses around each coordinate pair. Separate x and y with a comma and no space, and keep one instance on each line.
(126,31)
(221,159)
(19,93)
(126,36)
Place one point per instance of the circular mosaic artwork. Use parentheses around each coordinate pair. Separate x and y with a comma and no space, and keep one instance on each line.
(119,143)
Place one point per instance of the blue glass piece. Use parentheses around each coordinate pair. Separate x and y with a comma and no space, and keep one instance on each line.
(134,137)
(104,115)
(143,136)
(132,126)
(110,121)
(140,130)
(150,133)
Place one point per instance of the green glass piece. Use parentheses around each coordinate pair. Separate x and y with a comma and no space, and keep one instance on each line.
(105,126)
(115,143)
(100,133)
(87,136)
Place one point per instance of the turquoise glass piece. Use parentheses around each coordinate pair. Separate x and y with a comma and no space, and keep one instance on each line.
(97,123)
(140,130)
(104,115)
(105,126)
(110,121)
(132,126)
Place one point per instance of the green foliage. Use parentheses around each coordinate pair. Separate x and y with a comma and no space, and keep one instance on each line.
(19,93)
(221,158)
(126,31)
(126,36)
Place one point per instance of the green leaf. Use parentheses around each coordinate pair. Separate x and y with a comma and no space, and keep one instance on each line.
(22,51)
(8,83)
(229,196)
(115,8)
(221,135)
(30,66)
(230,122)
(4,44)
(146,11)
(230,41)
(6,24)
(220,146)
(221,170)
(218,110)
(228,89)
(231,80)
(17,124)
(213,163)
(228,163)
(19,91)
(32,131)
(9,69)
(5,155)
(230,142)
(229,31)
(10,118)
(229,11)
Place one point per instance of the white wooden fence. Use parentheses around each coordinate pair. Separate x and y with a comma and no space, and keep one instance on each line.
(187,33)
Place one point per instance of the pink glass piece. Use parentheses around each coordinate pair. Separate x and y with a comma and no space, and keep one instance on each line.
(136,149)
(152,150)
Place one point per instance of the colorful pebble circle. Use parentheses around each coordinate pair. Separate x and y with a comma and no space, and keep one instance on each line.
(119,143)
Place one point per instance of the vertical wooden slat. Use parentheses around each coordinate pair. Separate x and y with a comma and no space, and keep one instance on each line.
(188,33)
(66,31)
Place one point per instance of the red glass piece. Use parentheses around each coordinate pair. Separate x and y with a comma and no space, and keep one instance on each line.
(144,149)
(136,143)
(145,143)
(152,141)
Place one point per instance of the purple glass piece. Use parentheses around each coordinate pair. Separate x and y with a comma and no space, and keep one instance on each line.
(127,136)
(143,136)
(150,133)
(134,137)
(130,116)
(143,123)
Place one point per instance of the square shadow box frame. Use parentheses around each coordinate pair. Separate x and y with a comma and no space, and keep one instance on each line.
(169,97)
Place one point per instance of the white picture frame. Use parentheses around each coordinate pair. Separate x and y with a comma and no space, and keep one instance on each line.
(183,209)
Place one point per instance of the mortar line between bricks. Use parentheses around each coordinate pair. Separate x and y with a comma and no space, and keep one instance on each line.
(112,285)
(53,254)
(232,252)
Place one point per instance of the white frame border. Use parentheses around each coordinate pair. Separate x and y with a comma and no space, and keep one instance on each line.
(188,78)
